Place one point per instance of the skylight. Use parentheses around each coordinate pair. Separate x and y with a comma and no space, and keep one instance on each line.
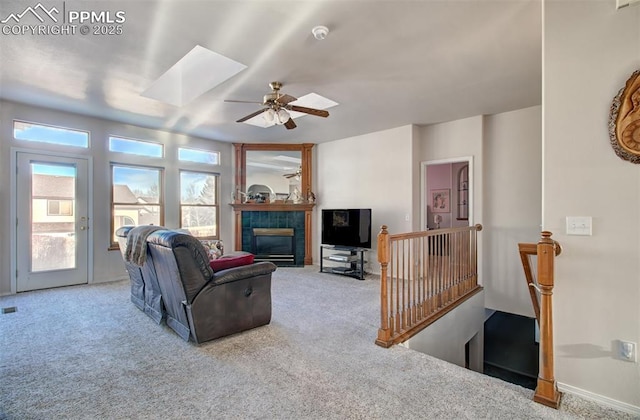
(194,74)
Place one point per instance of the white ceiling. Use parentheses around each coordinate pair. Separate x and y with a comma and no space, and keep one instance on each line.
(387,63)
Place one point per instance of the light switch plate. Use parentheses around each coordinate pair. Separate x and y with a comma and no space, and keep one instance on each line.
(579,225)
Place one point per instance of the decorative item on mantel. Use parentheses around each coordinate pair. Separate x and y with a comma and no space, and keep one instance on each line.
(311,197)
(624,120)
(238,196)
(295,196)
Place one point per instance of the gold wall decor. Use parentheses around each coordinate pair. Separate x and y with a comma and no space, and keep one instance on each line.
(624,120)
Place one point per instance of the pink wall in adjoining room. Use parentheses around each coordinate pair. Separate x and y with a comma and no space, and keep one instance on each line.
(438,177)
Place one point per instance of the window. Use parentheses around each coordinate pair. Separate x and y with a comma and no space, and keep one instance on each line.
(136,196)
(59,207)
(198,156)
(49,134)
(136,147)
(199,203)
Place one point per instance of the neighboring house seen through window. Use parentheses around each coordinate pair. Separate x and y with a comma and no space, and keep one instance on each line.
(136,196)
(59,207)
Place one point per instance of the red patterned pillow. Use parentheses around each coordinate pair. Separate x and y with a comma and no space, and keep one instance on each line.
(229,261)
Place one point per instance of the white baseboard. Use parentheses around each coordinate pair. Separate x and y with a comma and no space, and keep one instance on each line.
(600,399)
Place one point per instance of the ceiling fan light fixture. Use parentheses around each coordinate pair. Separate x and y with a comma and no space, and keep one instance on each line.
(282,116)
(269,116)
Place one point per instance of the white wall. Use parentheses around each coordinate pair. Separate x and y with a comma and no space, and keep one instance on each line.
(512,204)
(456,139)
(370,171)
(446,338)
(108,265)
(590,51)
(506,181)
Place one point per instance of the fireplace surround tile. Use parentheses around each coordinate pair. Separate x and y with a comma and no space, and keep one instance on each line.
(275,219)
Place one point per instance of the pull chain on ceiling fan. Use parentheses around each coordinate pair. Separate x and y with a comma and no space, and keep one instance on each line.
(277,106)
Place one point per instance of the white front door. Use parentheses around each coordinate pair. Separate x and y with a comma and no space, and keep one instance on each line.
(52,221)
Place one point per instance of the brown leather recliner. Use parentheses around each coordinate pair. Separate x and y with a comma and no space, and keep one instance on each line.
(202,305)
(145,291)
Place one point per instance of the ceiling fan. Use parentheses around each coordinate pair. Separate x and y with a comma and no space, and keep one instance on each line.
(276,107)
(297,174)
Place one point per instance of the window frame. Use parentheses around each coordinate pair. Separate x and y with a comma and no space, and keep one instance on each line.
(156,143)
(216,176)
(54,144)
(193,162)
(113,244)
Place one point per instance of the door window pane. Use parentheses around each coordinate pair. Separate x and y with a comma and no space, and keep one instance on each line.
(53,241)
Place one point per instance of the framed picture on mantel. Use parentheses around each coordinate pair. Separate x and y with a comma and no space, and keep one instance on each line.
(440,200)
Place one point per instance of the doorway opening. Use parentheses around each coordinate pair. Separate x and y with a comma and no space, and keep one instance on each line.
(447,193)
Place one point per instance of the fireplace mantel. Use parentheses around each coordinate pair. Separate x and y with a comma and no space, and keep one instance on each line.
(272,207)
(307,208)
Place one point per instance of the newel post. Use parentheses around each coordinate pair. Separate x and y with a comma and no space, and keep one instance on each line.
(384,333)
(547,391)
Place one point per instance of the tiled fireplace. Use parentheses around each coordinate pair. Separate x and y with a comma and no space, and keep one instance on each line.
(251,217)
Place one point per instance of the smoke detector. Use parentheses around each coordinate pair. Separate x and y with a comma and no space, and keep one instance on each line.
(320,32)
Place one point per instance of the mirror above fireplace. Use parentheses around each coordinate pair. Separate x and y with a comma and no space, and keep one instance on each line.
(281,214)
(272,173)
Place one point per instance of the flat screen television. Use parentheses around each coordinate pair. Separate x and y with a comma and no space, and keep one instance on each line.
(347,228)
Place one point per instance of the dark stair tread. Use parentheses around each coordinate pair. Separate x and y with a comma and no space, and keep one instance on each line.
(510,347)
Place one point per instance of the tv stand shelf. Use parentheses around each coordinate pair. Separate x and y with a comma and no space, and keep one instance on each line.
(343,261)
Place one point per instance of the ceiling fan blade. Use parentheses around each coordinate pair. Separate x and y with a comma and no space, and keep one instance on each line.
(311,111)
(243,102)
(248,117)
(290,124)
(285,99)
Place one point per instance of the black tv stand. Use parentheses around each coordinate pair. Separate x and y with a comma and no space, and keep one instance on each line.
(345,261)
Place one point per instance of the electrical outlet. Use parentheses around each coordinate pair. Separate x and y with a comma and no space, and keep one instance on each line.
(627,351)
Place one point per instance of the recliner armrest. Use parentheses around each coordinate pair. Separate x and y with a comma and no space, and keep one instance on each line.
(242,272)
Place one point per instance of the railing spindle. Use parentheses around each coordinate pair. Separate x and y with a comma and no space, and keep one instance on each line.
(424,275)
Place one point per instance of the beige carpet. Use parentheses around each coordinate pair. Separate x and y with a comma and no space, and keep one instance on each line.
(86,352)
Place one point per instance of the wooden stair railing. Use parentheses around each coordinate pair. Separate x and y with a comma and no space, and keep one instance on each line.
(423,276)
(546,250)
